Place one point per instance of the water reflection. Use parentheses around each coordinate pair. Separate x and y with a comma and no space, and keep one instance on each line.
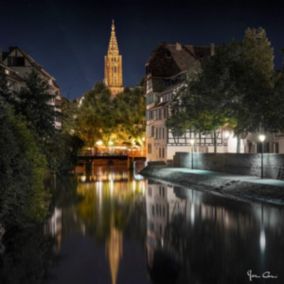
(197,237)
(105,214)
(118,229)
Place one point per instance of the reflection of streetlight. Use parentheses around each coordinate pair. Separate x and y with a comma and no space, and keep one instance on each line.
(262,237)
(261,138)
(191,141)
(99,143)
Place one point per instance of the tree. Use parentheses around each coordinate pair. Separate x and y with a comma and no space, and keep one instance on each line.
(34,103)
(23,168)
(102,117)
(234,88)
(95,116)
(129,108)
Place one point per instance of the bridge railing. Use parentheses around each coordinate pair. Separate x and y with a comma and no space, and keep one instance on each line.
(132,153)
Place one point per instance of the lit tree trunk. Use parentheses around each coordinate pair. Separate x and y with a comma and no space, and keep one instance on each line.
(215,141)
(238,144)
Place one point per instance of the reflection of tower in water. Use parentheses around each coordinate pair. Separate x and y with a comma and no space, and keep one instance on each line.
(114,249)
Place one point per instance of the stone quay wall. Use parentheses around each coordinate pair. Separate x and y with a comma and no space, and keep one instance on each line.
(242,164)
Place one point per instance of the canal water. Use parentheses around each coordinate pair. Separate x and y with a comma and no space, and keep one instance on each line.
(121,228)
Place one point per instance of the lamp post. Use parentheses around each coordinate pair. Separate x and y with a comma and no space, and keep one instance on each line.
(192,144)
(261,138)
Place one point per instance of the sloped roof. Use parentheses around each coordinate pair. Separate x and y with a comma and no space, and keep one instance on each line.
(170,59)
(12,74)
(30,59)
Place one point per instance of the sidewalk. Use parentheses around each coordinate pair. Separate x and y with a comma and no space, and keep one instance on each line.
(230,185)
(253,179)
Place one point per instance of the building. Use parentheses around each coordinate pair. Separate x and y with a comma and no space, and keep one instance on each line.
(17,65)
(113,65)
(166,72)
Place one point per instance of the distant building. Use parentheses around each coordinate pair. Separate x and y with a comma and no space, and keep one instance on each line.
(113,66)
(17,65)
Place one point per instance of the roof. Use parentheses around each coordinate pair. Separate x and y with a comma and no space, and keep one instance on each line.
(170,59)
(29,58)
(12,74)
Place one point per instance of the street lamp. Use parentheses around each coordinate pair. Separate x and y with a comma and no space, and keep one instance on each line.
(191,141)
(261,138)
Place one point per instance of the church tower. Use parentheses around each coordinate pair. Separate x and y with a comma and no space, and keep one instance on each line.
(113,65)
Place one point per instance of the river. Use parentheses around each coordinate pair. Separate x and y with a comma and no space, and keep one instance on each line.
(121,228)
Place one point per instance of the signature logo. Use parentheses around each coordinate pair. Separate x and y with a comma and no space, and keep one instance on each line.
(264,275)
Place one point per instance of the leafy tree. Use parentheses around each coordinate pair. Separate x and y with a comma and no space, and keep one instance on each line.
(34,103)
(95,116)
(129,108)
(23,198)
(102,117)
(234,88)
(5,93)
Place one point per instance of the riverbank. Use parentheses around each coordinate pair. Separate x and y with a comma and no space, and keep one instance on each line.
(229,185)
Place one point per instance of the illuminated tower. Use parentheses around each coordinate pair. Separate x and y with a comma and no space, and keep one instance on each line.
(113,65)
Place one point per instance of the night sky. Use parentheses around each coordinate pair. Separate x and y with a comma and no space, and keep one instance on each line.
(70,38)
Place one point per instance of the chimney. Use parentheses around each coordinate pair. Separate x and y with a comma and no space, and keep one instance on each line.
(212,49)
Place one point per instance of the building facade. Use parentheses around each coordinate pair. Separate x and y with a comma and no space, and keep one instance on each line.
(166,73)
(17,65)
(113,65)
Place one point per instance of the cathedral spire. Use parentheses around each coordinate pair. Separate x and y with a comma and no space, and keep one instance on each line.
(113,46)
(113,65)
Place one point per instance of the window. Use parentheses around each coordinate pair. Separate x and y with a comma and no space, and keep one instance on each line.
(165,112)
(150,148)
(153,131)
(265,147)
(159,114)
(149,86)
(276,147)
(16,61)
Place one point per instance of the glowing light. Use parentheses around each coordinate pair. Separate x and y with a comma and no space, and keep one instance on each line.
(110,143)
(99,143)
(83,178)
(192,214)
(262,240)
(261,137)
(226,134)
(191,141)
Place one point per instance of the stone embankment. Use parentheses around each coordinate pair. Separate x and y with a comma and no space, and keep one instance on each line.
(229,185)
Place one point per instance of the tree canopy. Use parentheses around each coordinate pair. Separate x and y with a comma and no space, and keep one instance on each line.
(237,87)
(103,117)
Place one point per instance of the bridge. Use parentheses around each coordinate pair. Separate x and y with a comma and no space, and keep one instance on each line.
(87,160)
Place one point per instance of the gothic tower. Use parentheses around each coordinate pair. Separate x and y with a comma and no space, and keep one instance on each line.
(113,65)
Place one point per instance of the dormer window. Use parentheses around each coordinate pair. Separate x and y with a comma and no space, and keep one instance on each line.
(149,86)
(16,61)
